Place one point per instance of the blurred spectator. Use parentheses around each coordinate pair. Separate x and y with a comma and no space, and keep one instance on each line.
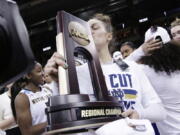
(156,32)
(6,117)
(175,29)
(47,78)
(127,48)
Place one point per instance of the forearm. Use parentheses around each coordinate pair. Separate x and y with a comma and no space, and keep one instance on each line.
(6,123)
(34,130)
(136,55)
(154,113)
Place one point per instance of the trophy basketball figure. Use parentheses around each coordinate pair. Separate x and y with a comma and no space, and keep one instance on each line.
(76,109)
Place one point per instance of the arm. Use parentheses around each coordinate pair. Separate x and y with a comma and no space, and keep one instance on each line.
(24,118)
(147,113)
(145,49)
(6,120)
(152,105)
(136,55)
(4,124)
(154,112)
(152,108)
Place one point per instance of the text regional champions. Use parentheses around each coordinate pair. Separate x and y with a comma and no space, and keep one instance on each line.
(100,112)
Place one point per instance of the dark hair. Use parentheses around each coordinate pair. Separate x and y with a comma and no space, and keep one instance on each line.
(166,59)
(176,22)
(129,43)
(105,19)
(15,89)
(3,89)
(153,28)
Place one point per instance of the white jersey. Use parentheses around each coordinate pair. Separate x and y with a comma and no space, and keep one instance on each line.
(130,85)
(38,102)
(167,87)
(5,107)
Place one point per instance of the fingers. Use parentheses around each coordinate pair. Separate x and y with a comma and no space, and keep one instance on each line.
(51,68)
(151,45)
(60,62)
(131,114)
(57,60)
(127,113)
(131,125)
(154,41)
(154,46)
(151,39)
(58,56)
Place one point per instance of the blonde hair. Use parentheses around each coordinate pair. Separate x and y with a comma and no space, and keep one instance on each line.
(176,22)
(105,19)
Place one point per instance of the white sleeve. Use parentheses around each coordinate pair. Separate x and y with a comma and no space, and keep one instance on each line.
(154,112)
(148,92)
(152,106)
(135,55)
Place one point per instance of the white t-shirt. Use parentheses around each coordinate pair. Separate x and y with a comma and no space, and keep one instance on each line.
(5,109)
(130,85)
(38,102)
(167,88)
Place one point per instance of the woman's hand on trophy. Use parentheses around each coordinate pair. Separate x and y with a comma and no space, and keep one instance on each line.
(51,68)
(132,114)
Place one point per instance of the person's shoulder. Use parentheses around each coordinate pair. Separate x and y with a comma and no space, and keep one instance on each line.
(2,99)
(21,99)
(131,63)
(3,96)
(108,66)
(26,91)
(22,104)
(136,67)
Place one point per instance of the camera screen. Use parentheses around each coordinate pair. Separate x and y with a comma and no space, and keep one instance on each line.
(159,38)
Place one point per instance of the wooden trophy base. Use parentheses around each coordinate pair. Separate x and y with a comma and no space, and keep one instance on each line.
(73,113)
